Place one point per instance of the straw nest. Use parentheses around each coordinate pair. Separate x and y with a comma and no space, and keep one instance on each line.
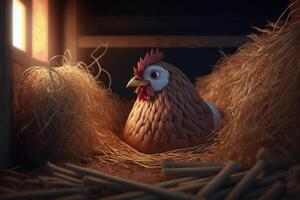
(63,113)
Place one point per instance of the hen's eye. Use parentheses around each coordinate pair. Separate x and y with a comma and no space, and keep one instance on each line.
(157,76)
(154,74)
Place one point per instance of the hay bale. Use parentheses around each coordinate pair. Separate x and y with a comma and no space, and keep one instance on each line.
(61,111)
(258,91)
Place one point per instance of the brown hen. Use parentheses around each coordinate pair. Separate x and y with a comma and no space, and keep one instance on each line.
(168,114)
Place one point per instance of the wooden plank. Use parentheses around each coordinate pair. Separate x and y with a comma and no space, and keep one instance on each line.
(161,41)
(70,27)
(5,83)
(171,25)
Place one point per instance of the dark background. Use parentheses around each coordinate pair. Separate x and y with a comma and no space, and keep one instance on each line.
(169,17)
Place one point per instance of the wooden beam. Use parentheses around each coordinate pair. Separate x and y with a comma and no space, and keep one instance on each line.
(171,25)
(161,41)
(5,83)
(70,27)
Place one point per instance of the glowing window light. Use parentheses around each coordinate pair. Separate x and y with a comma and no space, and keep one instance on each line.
(40,29)
(19,22)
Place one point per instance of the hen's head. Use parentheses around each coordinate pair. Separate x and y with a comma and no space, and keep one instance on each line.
(150,75)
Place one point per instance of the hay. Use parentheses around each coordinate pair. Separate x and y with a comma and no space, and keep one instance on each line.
(60,111)
(65,114)
(258,91)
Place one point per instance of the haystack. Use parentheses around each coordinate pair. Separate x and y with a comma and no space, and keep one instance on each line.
(258,91)
(65,114)
(60,110)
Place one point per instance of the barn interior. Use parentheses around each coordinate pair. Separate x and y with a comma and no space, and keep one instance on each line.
(195,36)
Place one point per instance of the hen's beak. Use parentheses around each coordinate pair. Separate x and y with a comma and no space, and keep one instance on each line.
(136,82)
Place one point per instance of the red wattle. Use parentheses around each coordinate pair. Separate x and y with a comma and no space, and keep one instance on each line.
(144,92)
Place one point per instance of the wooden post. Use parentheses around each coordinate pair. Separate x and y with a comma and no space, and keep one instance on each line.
(5,82)
(70,27)
(55,28)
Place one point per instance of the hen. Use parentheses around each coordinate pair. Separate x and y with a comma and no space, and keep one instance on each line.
(168,114)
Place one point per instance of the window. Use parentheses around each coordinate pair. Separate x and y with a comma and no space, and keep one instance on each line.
(36,11)
(19,25)
(40,29)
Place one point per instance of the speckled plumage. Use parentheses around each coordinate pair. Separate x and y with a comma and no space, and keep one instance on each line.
(174,117)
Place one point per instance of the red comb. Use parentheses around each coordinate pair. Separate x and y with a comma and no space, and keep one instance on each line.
(149,59)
